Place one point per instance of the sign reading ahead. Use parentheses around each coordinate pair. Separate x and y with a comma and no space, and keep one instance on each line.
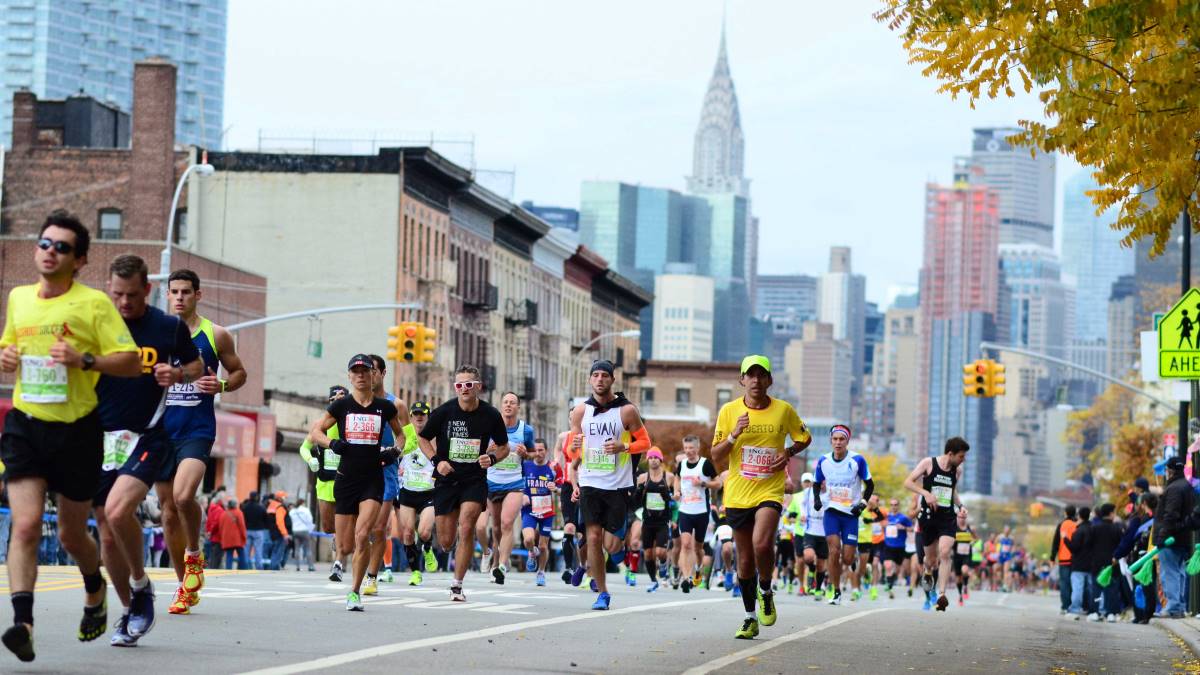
(1179,339)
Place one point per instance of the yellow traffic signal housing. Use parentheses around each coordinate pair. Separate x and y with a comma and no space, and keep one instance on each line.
(402,341)
(427,345)
(975,379)
(996,378)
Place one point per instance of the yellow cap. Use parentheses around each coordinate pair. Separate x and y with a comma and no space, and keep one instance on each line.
(756,360)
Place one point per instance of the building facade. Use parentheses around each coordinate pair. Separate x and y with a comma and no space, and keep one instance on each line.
(683,317)
(842,305)
(819,370)
(555,216)
(56,49)
(1023,182)
(1092,255)
(786,294)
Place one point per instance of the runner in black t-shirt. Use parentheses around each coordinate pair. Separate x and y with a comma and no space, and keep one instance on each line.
(358,486)
(463,428)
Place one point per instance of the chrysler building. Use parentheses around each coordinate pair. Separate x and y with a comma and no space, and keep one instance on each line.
(719,145)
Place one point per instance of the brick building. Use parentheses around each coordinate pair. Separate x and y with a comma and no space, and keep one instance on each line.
(117,174)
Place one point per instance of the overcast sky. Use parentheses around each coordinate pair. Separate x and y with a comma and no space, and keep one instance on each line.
(841,134)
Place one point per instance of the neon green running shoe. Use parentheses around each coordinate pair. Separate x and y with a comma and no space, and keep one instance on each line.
(766,608)
(748,631)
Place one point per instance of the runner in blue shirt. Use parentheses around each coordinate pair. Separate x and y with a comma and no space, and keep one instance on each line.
(537,510)
(895,534)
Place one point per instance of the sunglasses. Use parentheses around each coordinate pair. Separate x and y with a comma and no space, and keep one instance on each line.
(60,247)
(466,386)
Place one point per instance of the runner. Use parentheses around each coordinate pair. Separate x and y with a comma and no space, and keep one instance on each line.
(191,419)
(135,442)
(695,476)
(964,536)
(463,427)
(358,487)
(935,479)
(1005,546)
(816,548)
(59,337)
(895,536)
(380,542)
(785,552)
(537,510)
(870,544)
(751,435)
(607,431)
(655,488)
(506,486)
(572,562)
(325,465)
(416,499)
(845,479)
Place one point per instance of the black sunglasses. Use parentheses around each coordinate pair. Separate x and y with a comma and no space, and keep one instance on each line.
(60,247)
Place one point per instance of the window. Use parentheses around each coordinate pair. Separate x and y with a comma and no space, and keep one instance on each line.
(110,224)
(181,226)
(683,396)
(647,394)
(723,397)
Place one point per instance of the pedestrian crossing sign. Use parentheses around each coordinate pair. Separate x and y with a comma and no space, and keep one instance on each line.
(1179,339)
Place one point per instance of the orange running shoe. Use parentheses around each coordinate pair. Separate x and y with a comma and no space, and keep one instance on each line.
(179,604)
(193,573)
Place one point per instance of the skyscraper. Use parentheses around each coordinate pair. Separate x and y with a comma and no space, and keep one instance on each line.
(959,291)
(683,315)
(1041,308)
(719,150)
(779,295)
(59,48)
(842,304)
(1024,184)
(1091,254)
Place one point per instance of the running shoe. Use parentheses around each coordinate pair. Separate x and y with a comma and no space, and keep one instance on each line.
(748,631)
(577,576)
(431,561)
(566,576)
(593,585)
(855,595)
(703,585)
(370,586)
(966,594)
(415,579)
(602,601)
(766,608)
(737,591)
(353,602)
(193,574)
(121,636)
(652,588)
(385,577)
(836,599)
(531,561)
(498,574)
(179,603)
(802,590)
(141,612)
(942,603)
(818,596)
(874,594)
(456,594)
(541,579)
(686,586)
(960,601)
(928,603)
(193,599)
(336,573)
(910,590)
(19,641)
(927,583)
(95,619)
(630,578)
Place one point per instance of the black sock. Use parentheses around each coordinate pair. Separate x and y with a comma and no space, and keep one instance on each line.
(22,603)
(765,584)
(426,546)
(413,554)
(568,552)
(93,582)
(820,580)
(652,569)
(749,592)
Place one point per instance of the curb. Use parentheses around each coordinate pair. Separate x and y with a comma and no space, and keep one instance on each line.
(1187,630)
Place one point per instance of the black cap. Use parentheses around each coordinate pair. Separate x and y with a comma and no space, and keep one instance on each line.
(361,360)
(603,365)
(1175,463)
(336,389)
(419,408)
(1141,483)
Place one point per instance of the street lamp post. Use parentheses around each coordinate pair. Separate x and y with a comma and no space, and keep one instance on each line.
(620,333)
(201,170)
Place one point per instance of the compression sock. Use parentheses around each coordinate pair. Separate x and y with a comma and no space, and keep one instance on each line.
(635,560)
(92,583)
(618,558)
(652,569)
(414,557)
(706,572)
(568,552)
(749,595)
(22,603)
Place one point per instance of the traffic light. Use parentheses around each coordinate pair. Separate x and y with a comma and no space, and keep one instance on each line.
(975,379)
(402,341)
(427,344)
(996,378)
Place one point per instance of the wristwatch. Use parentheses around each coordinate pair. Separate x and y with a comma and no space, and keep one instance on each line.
(89,361)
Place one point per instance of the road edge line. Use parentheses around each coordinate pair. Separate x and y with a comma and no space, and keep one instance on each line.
(735,657)
(336,660)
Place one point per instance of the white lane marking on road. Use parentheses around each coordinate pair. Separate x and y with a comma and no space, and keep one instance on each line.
(1003,599)
(770,644)
(384,650)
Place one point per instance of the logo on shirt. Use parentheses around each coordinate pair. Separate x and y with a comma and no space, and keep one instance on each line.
(56,330)
(149,358)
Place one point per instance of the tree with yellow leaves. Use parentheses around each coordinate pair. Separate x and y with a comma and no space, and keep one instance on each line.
(1119,444)
(889,474)
(1118,78)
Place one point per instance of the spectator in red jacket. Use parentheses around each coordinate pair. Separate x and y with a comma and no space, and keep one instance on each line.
(232,534)
(212,523)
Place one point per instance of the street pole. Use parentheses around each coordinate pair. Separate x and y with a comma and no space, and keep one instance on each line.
(1185,279)
(165,259)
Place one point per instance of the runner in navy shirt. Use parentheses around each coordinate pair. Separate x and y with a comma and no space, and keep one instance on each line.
(136,444)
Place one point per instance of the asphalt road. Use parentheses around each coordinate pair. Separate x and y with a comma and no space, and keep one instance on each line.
(289,622)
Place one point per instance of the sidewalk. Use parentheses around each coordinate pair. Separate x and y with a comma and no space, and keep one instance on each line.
(1186,629)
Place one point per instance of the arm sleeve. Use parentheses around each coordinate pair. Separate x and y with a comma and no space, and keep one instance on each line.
(820,475)
(641,441)
(306,450)
(410,438)
(185,349)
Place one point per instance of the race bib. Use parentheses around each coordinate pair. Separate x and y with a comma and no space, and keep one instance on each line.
(43,380)
(963,548)
(876,529)
(118,446)
(692,494)
(510,461)
(184,394)
(891,532)
(541,505)
(655,502)
(840,494)
(596,459)
(756,462)
(362,429)
(418,478)
(944,495)
(464,449)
